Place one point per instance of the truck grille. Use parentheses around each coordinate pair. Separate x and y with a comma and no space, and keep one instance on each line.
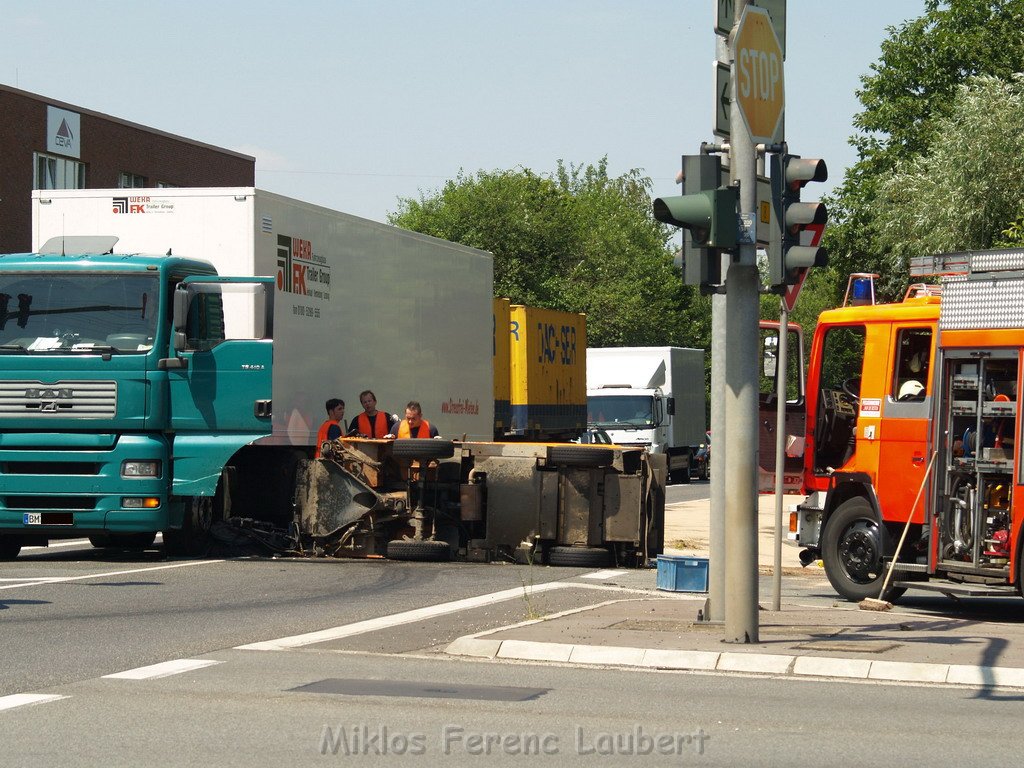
(78,399)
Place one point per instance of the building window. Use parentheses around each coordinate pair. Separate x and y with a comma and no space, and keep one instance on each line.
(53,172)
(127,180)
(165,185)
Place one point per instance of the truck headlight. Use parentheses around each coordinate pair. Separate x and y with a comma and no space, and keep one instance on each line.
(140,469)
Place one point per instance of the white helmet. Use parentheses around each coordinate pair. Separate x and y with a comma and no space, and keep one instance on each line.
(911,390)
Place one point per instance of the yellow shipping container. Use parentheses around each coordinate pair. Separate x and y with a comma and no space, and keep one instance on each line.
(548,367)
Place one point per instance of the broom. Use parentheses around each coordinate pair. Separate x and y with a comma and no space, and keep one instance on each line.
(878,604)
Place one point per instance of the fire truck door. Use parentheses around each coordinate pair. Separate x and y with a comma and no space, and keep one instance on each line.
(903,430)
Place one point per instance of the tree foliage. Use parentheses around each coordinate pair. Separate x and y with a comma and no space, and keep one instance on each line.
(909,99)
(575,240)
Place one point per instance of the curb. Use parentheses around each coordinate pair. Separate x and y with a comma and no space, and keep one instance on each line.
(755,663)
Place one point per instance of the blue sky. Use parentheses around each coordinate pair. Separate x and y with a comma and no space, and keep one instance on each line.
(352,104)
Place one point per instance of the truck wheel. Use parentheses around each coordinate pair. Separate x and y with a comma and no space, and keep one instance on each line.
(193,538)
(853,545)
(580,456)
(585,557)
(10,546)
(423,448)
(421,551)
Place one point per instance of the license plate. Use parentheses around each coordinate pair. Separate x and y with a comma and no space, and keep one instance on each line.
(32,518)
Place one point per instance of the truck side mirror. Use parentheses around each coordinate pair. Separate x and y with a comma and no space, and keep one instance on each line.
(670,406)
(180,315)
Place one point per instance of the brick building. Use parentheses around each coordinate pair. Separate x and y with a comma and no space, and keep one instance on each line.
(47,144)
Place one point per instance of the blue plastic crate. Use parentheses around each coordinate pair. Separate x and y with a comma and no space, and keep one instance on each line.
(679,573)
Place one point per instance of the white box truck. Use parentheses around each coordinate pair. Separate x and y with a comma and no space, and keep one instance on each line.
(334,275)
(652,397)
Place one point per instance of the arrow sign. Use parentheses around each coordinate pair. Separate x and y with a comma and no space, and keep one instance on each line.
(810,235)
(723,94)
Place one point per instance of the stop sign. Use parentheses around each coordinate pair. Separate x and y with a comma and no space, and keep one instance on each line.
(760,87)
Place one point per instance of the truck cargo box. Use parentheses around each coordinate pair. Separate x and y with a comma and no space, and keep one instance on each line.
(359,304)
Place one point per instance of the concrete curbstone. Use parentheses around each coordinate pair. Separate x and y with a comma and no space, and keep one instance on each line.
(474,646)
(908,671)
(663,659)
(529,650)
(612,654)
(765,663)
(826,666)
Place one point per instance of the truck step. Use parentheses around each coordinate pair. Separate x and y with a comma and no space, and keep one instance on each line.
(961,590)
(911,567)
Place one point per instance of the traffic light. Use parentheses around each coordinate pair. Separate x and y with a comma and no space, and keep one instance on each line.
(708,212)
(788,258)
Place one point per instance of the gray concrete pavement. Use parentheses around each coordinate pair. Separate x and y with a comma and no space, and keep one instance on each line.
(931,640)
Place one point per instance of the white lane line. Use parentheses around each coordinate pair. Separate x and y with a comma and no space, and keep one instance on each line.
(22,699)
(61,579)
(396,619)
(164,669)
(602,574)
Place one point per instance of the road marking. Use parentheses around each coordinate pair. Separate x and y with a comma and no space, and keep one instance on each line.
(602,574)
(164,669)
(23,699)
(37,581)
(397,619)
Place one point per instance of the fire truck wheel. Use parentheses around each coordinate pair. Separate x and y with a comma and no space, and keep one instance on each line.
(852,548)
(581,557)
(586,456)
(193,538)
(422,551)
(10,546)
(424,448)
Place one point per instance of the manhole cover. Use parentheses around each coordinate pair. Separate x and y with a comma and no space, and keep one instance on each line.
(421,690)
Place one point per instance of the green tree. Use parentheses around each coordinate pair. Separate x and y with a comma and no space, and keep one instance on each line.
(966,192)
(910,91)
(576,240)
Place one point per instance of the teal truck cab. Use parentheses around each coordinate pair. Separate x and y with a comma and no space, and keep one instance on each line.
(116,414)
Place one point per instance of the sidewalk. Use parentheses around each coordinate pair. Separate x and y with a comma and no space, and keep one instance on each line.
(809,637)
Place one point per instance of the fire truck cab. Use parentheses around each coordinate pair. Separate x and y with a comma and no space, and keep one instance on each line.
(911,418)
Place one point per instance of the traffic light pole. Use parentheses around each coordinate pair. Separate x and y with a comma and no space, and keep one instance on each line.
(741,390)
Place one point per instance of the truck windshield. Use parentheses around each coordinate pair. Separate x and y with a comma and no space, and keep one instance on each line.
(618,411)
(77,314)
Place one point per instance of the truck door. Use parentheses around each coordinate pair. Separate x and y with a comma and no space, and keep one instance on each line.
(834,401)
(219,376)
(793,386)
(903,431)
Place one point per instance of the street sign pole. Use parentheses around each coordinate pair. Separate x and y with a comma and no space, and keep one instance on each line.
(741,386)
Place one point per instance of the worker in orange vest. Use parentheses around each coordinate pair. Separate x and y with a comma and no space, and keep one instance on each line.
(413,425)
(371,422)
(334,427)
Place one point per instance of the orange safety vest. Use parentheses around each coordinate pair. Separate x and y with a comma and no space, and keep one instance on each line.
(321,435)
(423,431)
(379,428)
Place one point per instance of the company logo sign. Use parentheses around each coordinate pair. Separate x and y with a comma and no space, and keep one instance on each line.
(136,204)
(63,132)
(301,271)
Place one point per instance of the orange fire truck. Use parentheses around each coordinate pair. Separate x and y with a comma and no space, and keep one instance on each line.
(910,402)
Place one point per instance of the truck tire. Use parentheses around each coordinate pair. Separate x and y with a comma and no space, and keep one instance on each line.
(587,456)
(193,538)
(421,551)
(422,448)
(581,557)
(853,546)
(10,546)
